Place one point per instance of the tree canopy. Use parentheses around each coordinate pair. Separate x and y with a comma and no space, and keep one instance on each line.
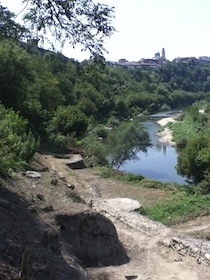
(192,136)
(194,159)
(83,22)
(64,101)
(9,28)
(125,141)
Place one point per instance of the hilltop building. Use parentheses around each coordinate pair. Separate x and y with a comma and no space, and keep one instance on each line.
(145,63)
(163,54)
(157,61)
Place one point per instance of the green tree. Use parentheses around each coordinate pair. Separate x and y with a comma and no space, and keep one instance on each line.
(125,141)
(15,74)
(66,123)
(82,22)
(9,28)
(42,97)
(194,159)
(17,144)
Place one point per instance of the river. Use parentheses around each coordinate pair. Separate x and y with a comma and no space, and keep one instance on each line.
(159,163)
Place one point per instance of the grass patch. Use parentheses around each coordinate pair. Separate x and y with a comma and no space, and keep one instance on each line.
(192,122)
(167,203)
(75,197)
(106,172)
(182,207)
(137,180)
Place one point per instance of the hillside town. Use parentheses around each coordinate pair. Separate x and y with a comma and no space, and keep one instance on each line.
(157,61)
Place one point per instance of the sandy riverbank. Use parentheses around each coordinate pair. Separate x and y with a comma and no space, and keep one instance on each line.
(166,135)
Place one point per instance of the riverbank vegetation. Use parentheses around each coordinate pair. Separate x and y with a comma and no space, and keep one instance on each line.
(192,136)
(183,207)
(177,204)
(68,104)
(51,102)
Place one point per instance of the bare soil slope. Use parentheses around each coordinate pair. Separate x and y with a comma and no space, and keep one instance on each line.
(37,220)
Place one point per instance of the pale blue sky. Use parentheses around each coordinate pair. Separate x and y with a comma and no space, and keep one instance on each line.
(144,27)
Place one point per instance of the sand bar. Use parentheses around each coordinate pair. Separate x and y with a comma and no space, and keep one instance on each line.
(166,135)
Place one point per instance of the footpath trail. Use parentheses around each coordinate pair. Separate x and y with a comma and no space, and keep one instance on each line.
(155,251)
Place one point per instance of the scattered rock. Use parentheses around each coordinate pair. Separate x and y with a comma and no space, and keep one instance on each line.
(166,242)
(197,249)
(178,259)
(48,208)
(33,174)
(76,165)
(207,256)
(123,204)
(132,277)
(54,182)
(40,197)
(42,169)
(199,260)
(62,177)
(70,186)
(194,250)
(76,162)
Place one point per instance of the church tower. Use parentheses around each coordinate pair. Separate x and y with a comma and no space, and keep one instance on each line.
(163,54)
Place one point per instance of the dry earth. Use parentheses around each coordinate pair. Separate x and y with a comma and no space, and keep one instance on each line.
(148,259)
(151,253)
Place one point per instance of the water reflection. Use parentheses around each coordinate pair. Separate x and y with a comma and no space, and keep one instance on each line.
(159,163)
(160,148)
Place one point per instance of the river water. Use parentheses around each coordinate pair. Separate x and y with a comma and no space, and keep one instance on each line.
(159,163)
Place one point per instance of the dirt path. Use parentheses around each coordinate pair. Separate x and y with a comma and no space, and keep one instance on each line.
(199,227)
(141,238)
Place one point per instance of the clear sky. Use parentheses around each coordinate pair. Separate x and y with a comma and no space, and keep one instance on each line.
(144,27)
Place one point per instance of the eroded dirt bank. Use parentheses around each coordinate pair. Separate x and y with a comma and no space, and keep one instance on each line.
(47,211)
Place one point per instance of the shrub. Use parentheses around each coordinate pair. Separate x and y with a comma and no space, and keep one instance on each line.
(17,145)
(95,151)
(67,123)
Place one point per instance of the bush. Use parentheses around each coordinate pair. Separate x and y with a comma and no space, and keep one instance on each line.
(17,145)
(95,151)
(67,123)
(101,132)
(113,122)
(204,185)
